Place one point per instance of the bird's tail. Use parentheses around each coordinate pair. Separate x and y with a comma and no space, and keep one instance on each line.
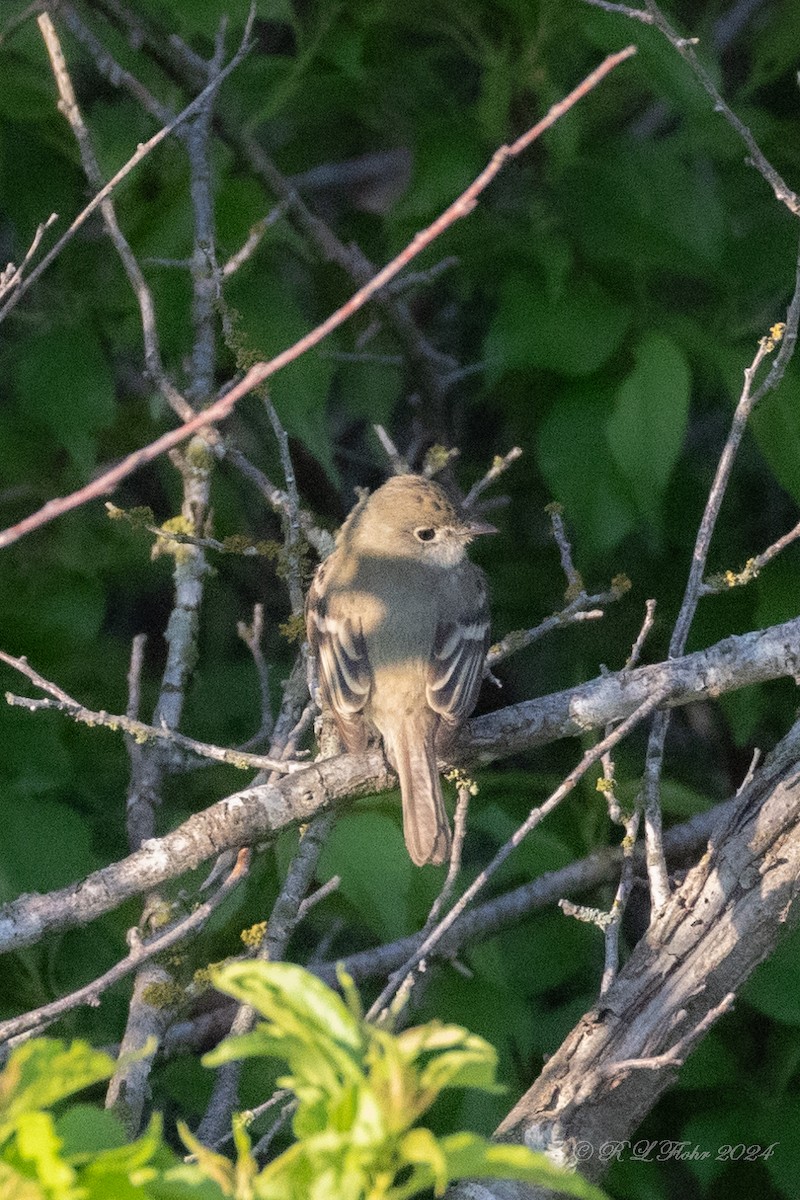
(425,825)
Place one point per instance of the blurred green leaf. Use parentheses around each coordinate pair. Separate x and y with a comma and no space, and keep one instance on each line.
(774,988)
(354,1123)
(581,474)
(41,1072)
(365,849)
(67,387)
(646,430)
(573,333)
(776,425)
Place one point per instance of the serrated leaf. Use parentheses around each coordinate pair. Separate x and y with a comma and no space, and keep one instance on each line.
(285,994)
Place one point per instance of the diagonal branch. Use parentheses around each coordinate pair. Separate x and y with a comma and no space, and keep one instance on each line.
(725,919)
(461,207)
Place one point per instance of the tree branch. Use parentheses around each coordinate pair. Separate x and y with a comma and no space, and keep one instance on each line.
(257,813)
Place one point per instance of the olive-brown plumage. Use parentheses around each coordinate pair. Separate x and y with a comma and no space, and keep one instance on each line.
(398,624)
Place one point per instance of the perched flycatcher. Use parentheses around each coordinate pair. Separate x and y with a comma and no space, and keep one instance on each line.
(398,622)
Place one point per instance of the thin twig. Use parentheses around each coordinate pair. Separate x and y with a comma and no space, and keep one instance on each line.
(11,276)
(293,545)
(69,107)
(279,928)
(581,608)
(677,1055)
(138,730)
(786,336)
(465,791)
(252,636)
(500,464)
(254,239)
(751,569)
(574,580)
(257,374)
(534,818)
(141,152)
(686,48)
(140,953)
(635,14)
(398,463)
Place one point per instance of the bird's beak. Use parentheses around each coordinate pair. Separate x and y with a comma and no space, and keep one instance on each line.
(473,528)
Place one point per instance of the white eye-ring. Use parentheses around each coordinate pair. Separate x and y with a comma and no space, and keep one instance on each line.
(425,534)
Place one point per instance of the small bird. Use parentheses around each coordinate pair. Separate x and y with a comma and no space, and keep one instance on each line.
(397,620)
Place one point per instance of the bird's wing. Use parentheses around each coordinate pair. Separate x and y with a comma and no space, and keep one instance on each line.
(459,654)
(343,669)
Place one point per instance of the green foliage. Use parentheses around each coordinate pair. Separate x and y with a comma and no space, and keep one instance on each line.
(359,1092)
(646,430)
(80,1154)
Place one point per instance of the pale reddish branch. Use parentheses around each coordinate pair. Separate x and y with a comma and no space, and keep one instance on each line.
(257,374)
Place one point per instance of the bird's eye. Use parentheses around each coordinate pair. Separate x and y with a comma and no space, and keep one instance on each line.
(425,535)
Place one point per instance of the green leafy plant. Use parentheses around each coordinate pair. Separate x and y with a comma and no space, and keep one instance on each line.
(359,1091)
(80,1153)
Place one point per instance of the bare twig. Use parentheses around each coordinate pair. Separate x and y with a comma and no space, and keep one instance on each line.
(254,239)
(786,336)
(141,152)
(399,464)
(644,633)
(129,1086)
(686,48)
(612,923)
(677,1054)
(635,14)
(751,569)
(261,371)
(581,608)
(69,107)
(12,275)
(500,464)
(294,553)
(574,580)
(279,928)
(252,635)
(140,953)
(466,788)
(139,731)
(534,818)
